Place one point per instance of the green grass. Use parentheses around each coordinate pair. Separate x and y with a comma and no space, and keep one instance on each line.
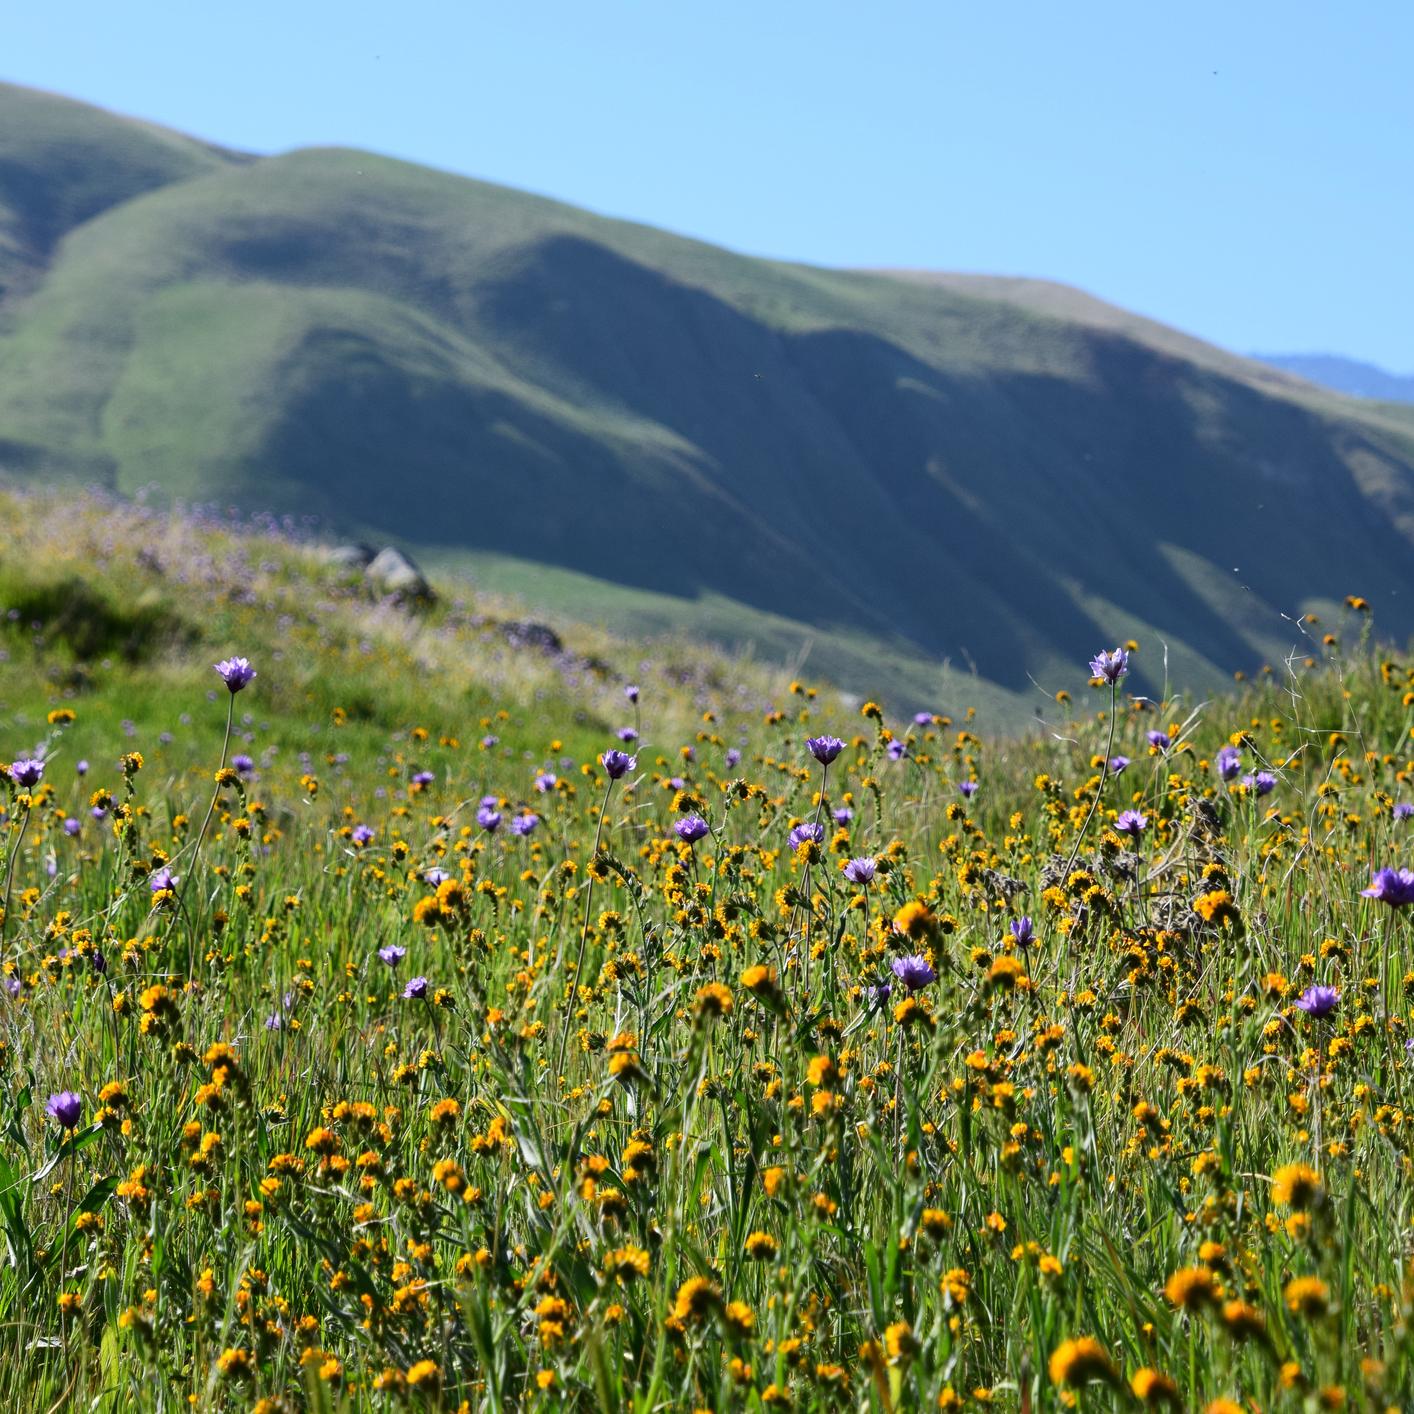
(689,1163)
(904,472)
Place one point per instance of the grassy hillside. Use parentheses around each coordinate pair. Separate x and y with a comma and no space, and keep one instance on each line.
(370,1041)
(872,471)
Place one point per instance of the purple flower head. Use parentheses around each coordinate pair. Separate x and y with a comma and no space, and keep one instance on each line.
(525,824)
(27,771)
(1392,886)
(914,971)
(824,748)
(435,876)
(922,719)
(878,993)
(243,763)
(546,781)
(72,827)
(843,815)
(861,870)
(1110,666)
(733,758)
(617,763)
(1116,765)
(487,816)
(362,835)
(236,673)
(161,880)
(691,828)
(393,954)
(968,789)
(1262,783)
(1228,762)
(416,989)
(81,768)
(1160,741)
(1132,822)
(98,812)
(424,778)
(631,692)
(13,986)
(66,1107)
(487,742)
(1318,1001)
(810,832)
(274,1022)
(1023,932)
(897,749)
(627,734)
(1403,810)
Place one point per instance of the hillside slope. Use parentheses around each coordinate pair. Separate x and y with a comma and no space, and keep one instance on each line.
(886,472)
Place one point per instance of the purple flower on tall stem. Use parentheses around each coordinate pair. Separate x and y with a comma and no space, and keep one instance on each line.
(435,875)
(1160,741)
(861,870)
(824,748)
(525,824)
(968,789)
(922,719)
(631,692)
(243,763)
(1403,811)
(487,816)
(1260,783)
(691,828)
(393,954)
(1228,762)
(914,971)
(236,673)
(733,758)
(627,734)
(896,750)
(424,778)
(617,763)
(1116,765)
(66,1107)
(842,815)
(1318,1001)
(72,827)
(1110,666)
(362,835)
(1023,934)
(81,768)
(807,833)
(1132,823)
(1392,886)
(546,781)
(416,989)
(161,880)
(27,772)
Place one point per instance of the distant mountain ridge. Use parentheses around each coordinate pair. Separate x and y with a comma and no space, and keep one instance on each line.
(1346,375)
(871,474)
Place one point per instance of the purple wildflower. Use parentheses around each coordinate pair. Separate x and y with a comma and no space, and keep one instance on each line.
(897,749)
(72,827)
(393,954)
(81,768)
(691,828)
(1318,1001)
(914,971)
(546,781)
(1392,886)
(617,763)
(525,824)
(236,673)
(243,763)
(733,758)
(1110,666)
(627,734)
(416,989)
(1160,741)
(843,815)
(1228,762)
(1261,783)
(861,870)
(27,771)
(435,876)
(968,789)
(824,748)
(1403,811)
(1132,822)
(631,692)
(362,835)
(809,832)
(1116,765)
(487,816)
(66,1107)
(161,880)
(1023,933)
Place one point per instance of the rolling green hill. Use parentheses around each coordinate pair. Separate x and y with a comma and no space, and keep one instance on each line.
(884,472)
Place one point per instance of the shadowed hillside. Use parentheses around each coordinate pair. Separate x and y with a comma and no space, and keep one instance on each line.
(888,471)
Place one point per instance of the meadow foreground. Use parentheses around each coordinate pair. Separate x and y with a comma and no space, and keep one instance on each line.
(599,1057)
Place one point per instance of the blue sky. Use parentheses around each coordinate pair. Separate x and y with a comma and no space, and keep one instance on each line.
(1243,169)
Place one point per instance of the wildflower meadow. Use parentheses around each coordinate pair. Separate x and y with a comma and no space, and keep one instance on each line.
(391,1027)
